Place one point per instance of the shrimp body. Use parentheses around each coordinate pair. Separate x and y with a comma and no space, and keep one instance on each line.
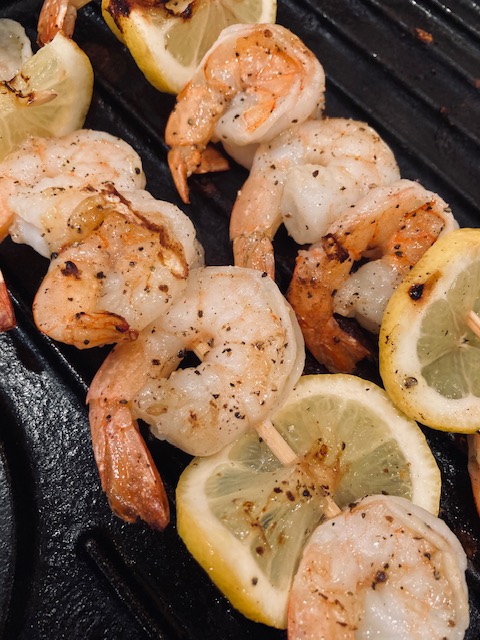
(251,352)
(384,568)
(83,160)
(305,178)
(392,226)
(474,466)
(255,81)
(58,15)
(120,274)
(252,356)
(7,314)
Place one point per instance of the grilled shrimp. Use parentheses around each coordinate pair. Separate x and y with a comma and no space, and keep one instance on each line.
(254,82)
(252,354)
(45,171)
(329,164)
(474,466)
(58,15)
(384,568)
(392,226)
(132,257)
(7,314)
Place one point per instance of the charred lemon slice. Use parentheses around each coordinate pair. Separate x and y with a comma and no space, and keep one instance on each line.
(49,96)
(429,354)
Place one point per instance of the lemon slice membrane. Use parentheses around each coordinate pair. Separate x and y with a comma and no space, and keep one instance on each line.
(49,96)
(245,517)
(429,357)
(168,40)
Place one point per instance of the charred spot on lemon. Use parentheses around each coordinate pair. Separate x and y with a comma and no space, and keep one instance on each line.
(168,39)
(429,354)
(49,96)
(245,517)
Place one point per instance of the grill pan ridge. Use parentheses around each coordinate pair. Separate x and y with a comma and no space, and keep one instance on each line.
(68,567)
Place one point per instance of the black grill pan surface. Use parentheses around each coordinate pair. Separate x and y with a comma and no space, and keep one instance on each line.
(68,567)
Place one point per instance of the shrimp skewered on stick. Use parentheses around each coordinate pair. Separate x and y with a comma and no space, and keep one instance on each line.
(132,257)
(305,178)
(252,356)
(383,568)
(392,227)
(253,83)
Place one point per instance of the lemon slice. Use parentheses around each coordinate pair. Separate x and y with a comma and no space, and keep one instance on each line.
(50,95)
(168,39)
(15,48)
(245,517)
(429,357)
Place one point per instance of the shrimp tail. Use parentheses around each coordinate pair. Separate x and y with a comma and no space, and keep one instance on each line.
(127,471)
(474,466)
(312,302)
(55,16)
(7,315)
(255,251)
(185,160)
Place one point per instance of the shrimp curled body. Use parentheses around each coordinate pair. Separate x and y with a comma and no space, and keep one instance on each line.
(384,568)
(253,83)
(391,228)
(131,258)
(251,352)
(305,178)
(39,180)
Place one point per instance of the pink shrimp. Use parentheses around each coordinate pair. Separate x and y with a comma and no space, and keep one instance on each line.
(254,82)
(392,226)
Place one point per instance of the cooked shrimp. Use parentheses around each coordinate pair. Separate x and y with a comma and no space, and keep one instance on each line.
(474,466)
(255,81)
(120,274)
(7,314)
(83,160)
(58,15)
(392,225)
(342,158)
(384,568)
(251,352)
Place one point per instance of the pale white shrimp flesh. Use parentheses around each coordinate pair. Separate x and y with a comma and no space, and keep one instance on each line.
(392,226)
(384,568)
(254,82)
(58,15)
(251,353)
(131,258)
(340,159)
(47,171)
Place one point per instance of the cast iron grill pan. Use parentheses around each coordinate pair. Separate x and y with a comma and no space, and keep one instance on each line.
(68,567)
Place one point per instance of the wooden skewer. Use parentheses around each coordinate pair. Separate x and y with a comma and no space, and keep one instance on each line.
(274,441)
(473,323)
